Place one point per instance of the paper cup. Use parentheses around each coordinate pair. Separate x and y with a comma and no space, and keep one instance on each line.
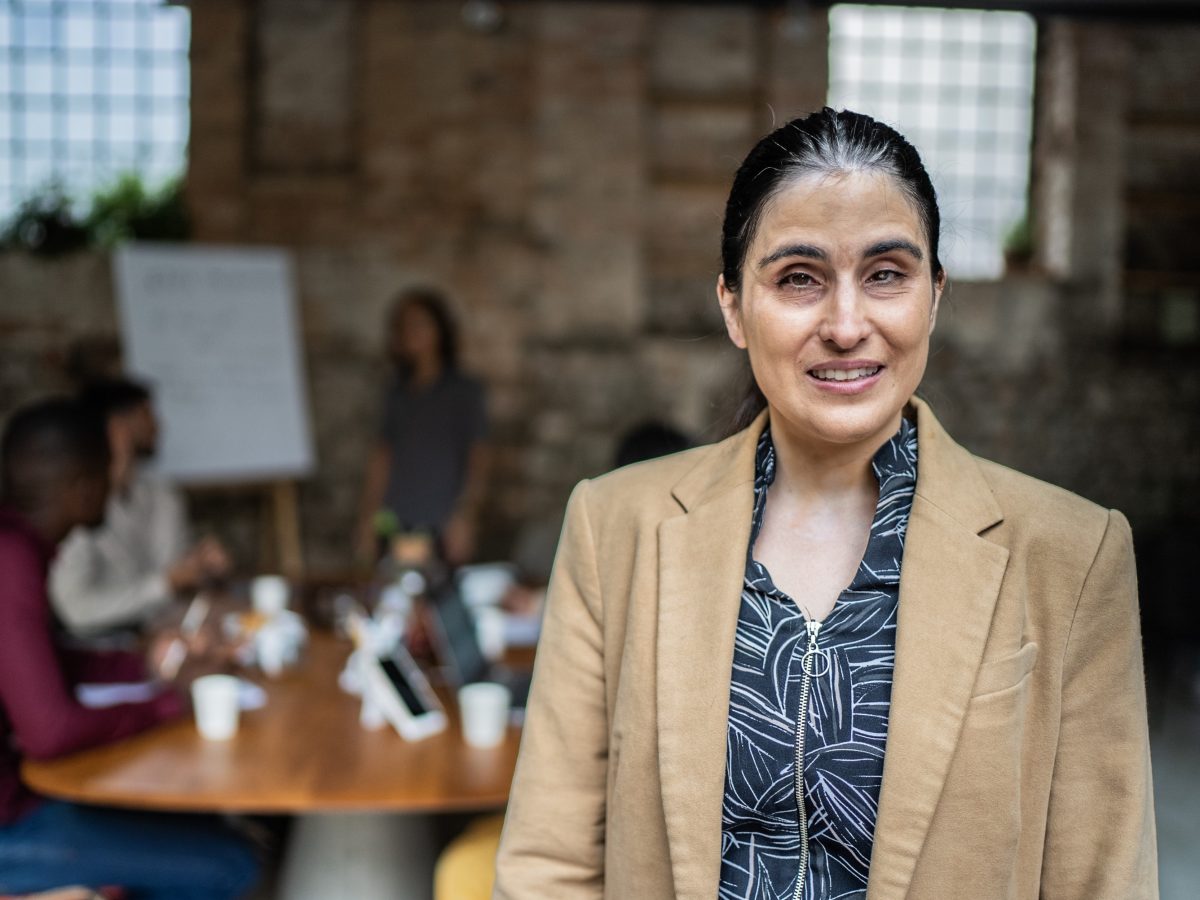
(491,625)
(484,710)
(215,701)
(269,594)
(271,649)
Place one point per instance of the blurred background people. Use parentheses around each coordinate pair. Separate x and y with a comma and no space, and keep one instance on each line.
(126,570)
(426,471)
(54,470)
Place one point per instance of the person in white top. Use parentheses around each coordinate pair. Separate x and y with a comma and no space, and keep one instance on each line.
(128,570)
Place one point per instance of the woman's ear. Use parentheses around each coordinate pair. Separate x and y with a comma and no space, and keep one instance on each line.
(939,286)
(731,312)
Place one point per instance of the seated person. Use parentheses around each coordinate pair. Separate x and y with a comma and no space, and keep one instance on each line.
(54,462)
(123,573)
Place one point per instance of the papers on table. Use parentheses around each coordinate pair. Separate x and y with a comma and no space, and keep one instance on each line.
(99,696)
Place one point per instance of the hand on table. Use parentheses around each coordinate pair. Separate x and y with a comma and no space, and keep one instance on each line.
(172,656)
(207,561)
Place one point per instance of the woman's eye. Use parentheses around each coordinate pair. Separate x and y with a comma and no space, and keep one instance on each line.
(797,280)
(885,276)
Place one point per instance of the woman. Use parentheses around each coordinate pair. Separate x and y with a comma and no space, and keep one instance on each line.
(428,465)
(950,649)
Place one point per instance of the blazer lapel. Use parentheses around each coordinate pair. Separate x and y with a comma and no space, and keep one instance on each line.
(702,556)
(949,583)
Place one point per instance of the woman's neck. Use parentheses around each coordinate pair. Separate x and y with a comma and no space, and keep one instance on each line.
(820,472)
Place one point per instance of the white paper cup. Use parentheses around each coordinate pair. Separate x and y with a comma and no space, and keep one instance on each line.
(269,594)
(215,701)
(484,710)
(271,649)
(491,625)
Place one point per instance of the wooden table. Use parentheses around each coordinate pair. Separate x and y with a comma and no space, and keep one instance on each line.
(304,752)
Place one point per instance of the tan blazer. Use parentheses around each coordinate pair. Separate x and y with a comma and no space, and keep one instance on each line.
(1017,757)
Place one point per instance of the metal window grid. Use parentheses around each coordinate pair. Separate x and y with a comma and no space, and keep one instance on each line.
(90,89)
(959,85)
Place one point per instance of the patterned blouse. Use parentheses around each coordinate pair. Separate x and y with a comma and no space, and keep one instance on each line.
(847,692)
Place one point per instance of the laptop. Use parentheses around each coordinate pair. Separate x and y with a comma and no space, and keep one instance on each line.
(457,646)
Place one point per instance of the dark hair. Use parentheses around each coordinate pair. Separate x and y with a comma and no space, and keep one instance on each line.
(112,396)
(823,143)
(650,440)
(46,442)
(434,302)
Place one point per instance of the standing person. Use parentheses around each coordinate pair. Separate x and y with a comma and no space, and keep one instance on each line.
(122,573)
(429,462)
(835,655)
(54,461)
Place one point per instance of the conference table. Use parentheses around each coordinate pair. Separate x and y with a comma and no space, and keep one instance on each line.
(304,753)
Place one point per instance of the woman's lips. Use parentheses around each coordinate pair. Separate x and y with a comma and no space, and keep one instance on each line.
(842,380)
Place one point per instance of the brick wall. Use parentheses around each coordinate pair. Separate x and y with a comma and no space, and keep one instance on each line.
(564,177)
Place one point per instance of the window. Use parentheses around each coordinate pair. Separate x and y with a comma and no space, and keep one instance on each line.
(959,85)
(90,89)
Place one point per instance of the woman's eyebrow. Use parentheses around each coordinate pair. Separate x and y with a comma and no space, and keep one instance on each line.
(793,250)
(895,244)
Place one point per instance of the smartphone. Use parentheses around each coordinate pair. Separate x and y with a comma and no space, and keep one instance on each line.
(403,693)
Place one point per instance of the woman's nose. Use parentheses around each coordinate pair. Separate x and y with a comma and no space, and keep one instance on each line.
(845,323)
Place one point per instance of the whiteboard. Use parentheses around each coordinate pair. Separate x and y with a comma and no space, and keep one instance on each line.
(213,330)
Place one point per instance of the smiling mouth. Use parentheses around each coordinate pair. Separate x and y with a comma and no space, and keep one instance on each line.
(844,374)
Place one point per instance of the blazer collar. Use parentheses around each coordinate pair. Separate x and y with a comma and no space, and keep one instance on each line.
(949,583)
(730,464)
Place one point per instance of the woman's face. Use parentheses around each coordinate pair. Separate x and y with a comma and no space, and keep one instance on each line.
(836,307)
(415,335)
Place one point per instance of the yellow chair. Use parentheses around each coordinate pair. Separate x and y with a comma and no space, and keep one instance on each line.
(466,870)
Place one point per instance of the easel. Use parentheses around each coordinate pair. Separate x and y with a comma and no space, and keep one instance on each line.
(285,549)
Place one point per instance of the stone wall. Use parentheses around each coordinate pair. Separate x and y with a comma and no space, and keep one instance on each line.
(564,176)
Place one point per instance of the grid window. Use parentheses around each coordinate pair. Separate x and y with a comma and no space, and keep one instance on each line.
(959,85)
(90,89)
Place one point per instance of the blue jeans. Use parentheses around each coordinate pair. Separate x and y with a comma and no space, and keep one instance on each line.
(151,855)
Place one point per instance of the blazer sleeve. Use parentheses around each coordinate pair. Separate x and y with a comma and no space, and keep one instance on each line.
(1100,841)
(552,844)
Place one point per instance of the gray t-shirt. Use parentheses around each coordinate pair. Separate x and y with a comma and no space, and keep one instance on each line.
(430,431)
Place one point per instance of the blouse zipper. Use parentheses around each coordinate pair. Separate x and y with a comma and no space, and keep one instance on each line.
(806,664)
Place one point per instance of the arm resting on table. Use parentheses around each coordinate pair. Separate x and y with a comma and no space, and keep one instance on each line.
(45,717)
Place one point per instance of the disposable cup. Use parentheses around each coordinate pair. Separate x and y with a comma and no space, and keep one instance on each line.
(215,701)
(484,709)
(271,649)
(269,594)
(491,625)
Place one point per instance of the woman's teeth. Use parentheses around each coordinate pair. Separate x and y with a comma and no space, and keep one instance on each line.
(844,374)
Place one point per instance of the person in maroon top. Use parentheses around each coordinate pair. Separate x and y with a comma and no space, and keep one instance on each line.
(53,477)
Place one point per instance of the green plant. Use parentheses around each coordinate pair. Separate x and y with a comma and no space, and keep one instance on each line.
(127,209)
(45,223)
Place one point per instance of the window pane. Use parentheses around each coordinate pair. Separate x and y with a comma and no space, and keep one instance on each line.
(959,85)
(89,88)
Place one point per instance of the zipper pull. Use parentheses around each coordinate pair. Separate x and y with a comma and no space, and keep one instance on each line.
(810,652)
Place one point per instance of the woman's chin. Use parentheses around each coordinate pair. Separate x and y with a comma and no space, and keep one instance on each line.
(844,425)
